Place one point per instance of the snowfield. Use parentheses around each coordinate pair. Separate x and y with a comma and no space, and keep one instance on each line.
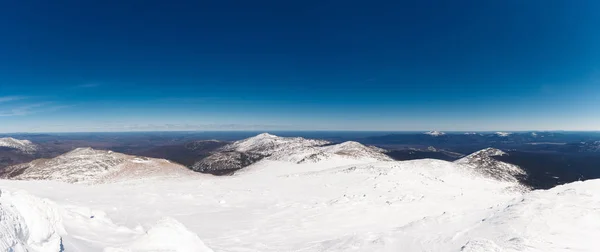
(335,204)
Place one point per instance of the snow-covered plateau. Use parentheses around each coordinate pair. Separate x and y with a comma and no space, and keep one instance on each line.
(339,203)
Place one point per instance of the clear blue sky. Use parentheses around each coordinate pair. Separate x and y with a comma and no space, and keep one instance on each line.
(305,65)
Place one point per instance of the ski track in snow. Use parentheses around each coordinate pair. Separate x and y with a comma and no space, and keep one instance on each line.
(337,204)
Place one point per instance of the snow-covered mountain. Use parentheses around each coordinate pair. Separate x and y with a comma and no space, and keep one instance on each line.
(24,146)
(87,165)
(268,145)
(418,205)
(503,134)
(592,146)
(289,149)
(435,133)
(483,163)
(301,195)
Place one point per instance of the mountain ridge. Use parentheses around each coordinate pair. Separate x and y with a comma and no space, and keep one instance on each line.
(242,153)
(482,162)
(24,146)
(87,165)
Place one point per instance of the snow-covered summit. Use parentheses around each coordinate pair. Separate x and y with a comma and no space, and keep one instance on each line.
(288,149)
(25,146)
(503,134)
(356,150)
(483,162)
(268,144)
(435,133)
(416,205)
(87,165)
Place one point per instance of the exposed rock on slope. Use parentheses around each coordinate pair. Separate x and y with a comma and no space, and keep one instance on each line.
(290,149)
(483,163)
(221,163)
(204,144)
(24,146)
(86,165)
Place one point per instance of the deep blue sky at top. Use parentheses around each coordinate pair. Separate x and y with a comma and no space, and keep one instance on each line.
(350,65)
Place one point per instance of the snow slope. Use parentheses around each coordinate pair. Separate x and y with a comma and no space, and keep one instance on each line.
(483,163)
(28,223)
(245,152)
(335,204)
(24,146)
(86,165)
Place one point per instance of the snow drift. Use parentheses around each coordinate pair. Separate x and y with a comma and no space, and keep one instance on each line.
(28,223)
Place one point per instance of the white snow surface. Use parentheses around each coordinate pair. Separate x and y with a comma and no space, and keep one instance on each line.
(25,146)
(331,205)
(87,165)
(301,150)
(28,223)
(435,133)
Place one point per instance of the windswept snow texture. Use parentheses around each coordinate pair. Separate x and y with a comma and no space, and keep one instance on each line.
(483,163)
(28,223)
(243,153)
(167,235)
(86,165)
(24,146)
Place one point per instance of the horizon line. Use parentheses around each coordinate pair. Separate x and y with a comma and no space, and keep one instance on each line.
(267,131)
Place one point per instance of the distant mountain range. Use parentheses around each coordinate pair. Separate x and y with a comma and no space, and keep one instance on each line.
(24,146)
(318,195)
(87,165)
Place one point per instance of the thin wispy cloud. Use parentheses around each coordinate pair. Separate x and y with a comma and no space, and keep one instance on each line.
(33,108)
(185,100)
(88,85)
(184,127)
(11,98)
